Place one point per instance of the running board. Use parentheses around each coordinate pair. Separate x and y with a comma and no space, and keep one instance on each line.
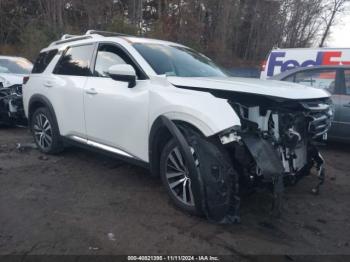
(101,146)
(105,150)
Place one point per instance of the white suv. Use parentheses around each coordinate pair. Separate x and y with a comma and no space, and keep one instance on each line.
(172,110)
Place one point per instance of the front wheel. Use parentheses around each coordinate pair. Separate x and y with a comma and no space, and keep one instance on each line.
(175,176)
(45,131)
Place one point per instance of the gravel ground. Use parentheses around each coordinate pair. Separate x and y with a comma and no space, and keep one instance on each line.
(84,203)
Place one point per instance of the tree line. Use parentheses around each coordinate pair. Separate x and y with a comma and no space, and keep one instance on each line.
(233,32)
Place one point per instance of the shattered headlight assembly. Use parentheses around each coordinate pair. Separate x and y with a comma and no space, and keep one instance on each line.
(230,135)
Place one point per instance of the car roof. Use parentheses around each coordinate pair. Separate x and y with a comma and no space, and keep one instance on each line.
(96,37)
(301,69)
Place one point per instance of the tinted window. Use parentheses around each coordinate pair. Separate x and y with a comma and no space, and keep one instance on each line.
(347,81)
(43,60)
(177,61)
(15,65)
(107,56)
(324,79)
(75,61)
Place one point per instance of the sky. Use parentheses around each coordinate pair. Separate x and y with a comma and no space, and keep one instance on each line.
(340,33)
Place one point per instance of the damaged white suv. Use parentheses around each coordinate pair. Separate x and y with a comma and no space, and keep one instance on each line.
(171,109)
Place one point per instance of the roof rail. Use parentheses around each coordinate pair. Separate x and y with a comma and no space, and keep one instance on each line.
(67,36)
(104,33)
(88,35)
(70,39)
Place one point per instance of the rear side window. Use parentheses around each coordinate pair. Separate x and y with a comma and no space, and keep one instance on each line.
(75,61)
(43,60)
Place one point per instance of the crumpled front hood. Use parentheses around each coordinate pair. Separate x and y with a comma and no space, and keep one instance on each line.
(12,79)
(270,88)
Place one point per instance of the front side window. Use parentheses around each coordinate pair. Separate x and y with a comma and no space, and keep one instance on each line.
(177,61)
(107,56)
(323,79)
(15,65)
(347,81)
(75,61)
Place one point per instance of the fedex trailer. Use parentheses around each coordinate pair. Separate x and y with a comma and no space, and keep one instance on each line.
(281,60)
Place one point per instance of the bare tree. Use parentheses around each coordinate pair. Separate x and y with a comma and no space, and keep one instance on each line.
(332,9)
(233,32)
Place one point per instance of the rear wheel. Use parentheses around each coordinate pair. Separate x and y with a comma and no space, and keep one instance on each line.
(45,131)
(175,176)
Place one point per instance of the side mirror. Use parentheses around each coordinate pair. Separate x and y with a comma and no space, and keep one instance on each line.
(123,72)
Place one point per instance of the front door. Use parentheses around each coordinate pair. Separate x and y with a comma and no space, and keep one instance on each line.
(116,116)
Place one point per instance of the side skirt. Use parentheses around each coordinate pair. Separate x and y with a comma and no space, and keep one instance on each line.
(105,150)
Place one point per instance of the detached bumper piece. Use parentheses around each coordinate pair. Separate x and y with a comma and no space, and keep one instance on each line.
(270,165)
(271,168)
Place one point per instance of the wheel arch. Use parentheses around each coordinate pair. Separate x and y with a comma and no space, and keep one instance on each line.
(37,101)
(160,135)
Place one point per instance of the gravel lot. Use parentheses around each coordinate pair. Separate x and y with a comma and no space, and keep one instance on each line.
(84,203)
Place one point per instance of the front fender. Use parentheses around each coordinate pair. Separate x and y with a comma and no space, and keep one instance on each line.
(207,113)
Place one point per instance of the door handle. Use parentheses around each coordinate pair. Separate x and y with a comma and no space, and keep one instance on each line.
(347,105)
(92,91)
(48,84)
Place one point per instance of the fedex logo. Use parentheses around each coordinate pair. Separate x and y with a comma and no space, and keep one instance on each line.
(322,58)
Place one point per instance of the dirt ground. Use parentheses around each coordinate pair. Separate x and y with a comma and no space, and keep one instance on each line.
(84,203)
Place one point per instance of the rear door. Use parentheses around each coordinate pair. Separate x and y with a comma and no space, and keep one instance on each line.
(66,88)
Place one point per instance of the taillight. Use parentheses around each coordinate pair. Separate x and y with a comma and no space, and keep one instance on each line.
(263,65)
(25,79)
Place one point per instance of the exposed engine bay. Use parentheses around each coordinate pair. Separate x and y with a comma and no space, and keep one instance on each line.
(11,105)
(282,131)
(276,143)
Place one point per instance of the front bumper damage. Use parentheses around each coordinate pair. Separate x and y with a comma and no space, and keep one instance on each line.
(11,106)
(272,170)
(222,167)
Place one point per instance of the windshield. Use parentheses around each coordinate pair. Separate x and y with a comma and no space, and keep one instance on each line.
(178,61)
(15,66)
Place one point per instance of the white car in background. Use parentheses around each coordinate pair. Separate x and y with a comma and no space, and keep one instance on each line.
(170,109)
(12,72)
(13,69)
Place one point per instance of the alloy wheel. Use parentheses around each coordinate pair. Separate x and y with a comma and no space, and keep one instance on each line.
(42,131)
(177,177)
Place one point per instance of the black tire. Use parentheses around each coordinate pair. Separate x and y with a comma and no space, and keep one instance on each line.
(170,147)
(55,146)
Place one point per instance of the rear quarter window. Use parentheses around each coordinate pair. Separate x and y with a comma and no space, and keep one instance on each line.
(43,60)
